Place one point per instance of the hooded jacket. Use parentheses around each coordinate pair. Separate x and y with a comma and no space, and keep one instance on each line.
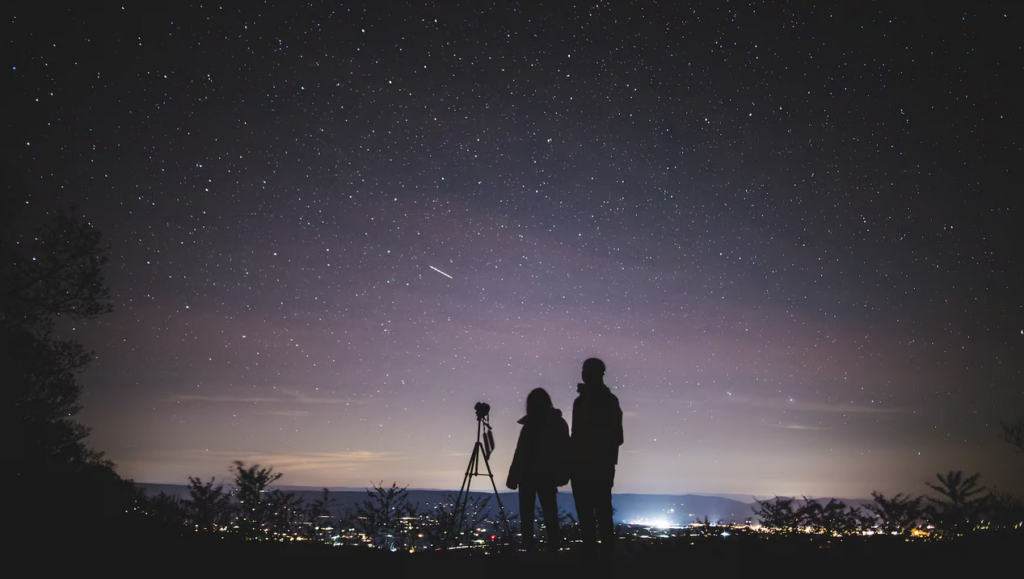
(542,453)
(596,434)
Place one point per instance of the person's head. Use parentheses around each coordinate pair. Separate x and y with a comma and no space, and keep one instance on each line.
(593,371)
(538,402)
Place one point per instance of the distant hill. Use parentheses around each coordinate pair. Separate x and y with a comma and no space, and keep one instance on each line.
(664,509)
(674,509)
(736,497)
(799,501)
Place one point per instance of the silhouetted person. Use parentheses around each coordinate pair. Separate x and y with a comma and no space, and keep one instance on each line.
(596,437)
(540,465)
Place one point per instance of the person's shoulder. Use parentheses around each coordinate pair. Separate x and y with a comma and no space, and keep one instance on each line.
(613,399)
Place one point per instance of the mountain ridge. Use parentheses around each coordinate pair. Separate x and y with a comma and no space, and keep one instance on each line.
(659,509)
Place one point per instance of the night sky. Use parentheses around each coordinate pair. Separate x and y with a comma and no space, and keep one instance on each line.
(790,232)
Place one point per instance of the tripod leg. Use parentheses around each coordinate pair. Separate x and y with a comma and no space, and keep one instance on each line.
(459,515)
(501,507)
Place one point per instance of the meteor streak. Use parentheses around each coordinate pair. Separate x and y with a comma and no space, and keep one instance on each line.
(441,272)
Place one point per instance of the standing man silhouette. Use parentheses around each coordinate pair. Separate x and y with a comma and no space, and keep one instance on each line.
(596,437)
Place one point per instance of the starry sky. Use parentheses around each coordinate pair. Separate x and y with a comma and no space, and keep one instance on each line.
(789,230)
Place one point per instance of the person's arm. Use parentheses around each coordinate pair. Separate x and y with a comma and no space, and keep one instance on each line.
(575,420)
(617,423)
(564,446)
(515,469)
(564,441)
(575,436)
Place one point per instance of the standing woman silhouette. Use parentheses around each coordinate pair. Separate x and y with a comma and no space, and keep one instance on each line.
(540,465)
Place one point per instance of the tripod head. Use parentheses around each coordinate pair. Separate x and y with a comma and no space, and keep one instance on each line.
(483,410)
(483,428)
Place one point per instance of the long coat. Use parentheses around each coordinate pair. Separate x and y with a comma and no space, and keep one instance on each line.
(542,453)
(596,434)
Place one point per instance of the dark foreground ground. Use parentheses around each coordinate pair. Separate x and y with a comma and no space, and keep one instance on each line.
(144,554)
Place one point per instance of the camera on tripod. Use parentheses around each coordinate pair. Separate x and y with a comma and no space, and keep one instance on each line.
(481,450)
(482,410)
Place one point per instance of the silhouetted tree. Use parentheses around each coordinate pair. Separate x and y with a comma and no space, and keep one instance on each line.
(55,273)
(777,514)
(705,529)
(444,530)
(833,518)
(809,514)
(957,508)
(58,272)
(1014,434)
(898,514)
(166,509)
(345,523)
(568,526)
(285,514)
(384,517)
(318,518)
(208,507)
(1004,511)
(515,527)
(251,485)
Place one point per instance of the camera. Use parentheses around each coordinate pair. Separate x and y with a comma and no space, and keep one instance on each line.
(482,410)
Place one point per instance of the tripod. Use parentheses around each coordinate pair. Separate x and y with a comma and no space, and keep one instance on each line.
(483,447)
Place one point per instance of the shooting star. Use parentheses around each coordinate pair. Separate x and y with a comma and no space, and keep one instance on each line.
(441,272)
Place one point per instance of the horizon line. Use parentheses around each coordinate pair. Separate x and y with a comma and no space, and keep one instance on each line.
(755,497)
